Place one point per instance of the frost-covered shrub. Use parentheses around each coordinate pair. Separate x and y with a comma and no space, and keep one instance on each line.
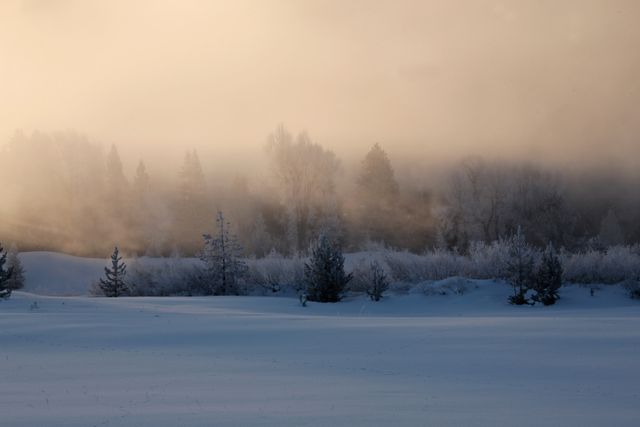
(436,264)
(613,265)
(374,280)
(488,261)
(275,273)
(450,286)
(405,266)
(165,277)
(360,271)
(440,264)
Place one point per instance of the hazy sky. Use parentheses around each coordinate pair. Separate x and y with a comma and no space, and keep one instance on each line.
(426,78)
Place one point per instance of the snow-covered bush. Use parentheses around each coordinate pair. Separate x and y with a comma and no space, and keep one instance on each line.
(441,263)
(612,265)
(435,264)
(405,266)
(451,286)
(275,273)
(488,261)
(165,277)
(376,281)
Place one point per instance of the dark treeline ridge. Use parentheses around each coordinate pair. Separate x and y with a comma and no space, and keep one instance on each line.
(65,193)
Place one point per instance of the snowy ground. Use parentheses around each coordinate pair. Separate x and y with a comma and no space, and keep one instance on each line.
(412,360)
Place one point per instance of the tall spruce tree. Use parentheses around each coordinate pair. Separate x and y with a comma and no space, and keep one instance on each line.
(377,198)
(5,275)
(113,284)
(222,256)
(191,208)
(377,178)
(324,275)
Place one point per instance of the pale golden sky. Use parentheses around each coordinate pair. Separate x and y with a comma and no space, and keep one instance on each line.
(540,79)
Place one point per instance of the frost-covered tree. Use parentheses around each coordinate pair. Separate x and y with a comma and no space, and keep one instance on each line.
(324,275)
(113,284)
(520,267)
(377,196)
(376,177)
(222,256)
(191,208)
(549,277)
(141,180)
(117,186)
(5,275)
(260,241)
(305,173)
(16,281)
(378,282)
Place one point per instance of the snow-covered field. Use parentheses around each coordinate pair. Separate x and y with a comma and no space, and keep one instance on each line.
(414,360)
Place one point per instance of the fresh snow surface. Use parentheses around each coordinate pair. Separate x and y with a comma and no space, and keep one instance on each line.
(409,360)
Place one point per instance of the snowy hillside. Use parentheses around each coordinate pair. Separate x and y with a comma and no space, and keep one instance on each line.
(444,353)
(409,360)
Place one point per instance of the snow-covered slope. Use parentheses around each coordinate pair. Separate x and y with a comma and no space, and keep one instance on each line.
(416,358)
(51,273)
(409,360)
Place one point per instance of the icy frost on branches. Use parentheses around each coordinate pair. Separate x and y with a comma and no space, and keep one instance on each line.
(222,257)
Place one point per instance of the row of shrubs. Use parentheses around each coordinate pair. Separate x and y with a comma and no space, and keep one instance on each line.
(372,272)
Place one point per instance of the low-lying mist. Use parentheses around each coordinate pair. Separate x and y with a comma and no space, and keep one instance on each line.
(489,115)
(63,192)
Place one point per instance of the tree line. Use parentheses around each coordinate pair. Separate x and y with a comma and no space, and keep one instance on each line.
(64,193)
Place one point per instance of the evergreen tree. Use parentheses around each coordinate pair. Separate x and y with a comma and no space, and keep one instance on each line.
(141,180)
(222,257)
(191,210)
(144,236)
(5,275)
(377,178)
(324,275)
(114,285)
(520,267)
(16,281)
(377,199)
(549,277)
(117,185)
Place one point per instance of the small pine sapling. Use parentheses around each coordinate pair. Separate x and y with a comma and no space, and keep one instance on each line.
(378,282)
(222,256)
(520,268)
(549,277)
(113,284)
